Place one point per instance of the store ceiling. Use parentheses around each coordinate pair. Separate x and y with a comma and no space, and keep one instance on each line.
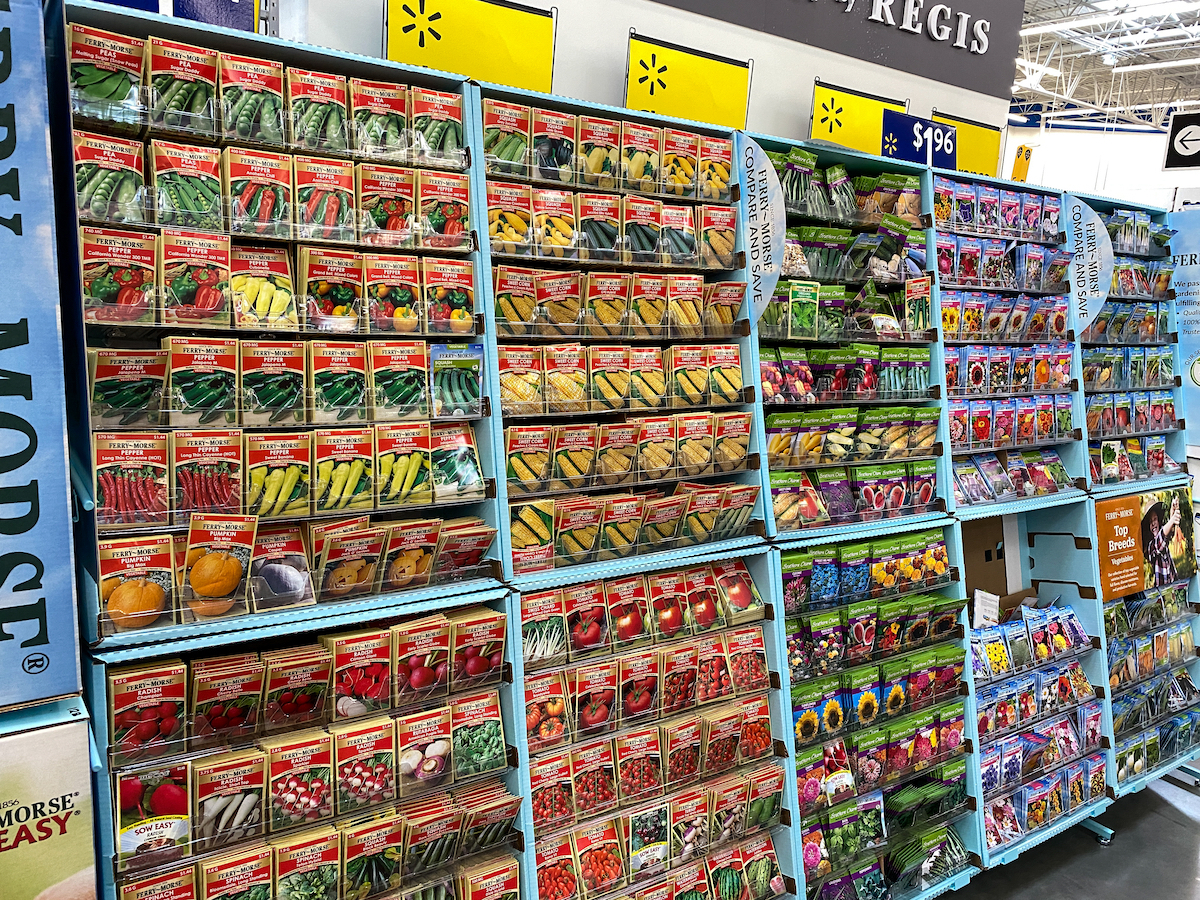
(1107,62)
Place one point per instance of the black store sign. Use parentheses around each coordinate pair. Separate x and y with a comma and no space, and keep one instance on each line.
(967,43)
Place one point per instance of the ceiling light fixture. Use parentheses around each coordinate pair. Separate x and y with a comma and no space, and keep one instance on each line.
(1018,119)
(1170,8)
(1109,59)
(1167,64)
(1037,68)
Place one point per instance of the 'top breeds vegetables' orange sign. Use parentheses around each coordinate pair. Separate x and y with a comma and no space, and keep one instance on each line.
(1121,558)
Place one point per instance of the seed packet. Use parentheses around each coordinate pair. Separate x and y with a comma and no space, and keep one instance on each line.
(981,424)
(973,308)
(992,264)
(965,207)
(968,261)
(994,475)
(1122,410)
(988,212)
(1000,361)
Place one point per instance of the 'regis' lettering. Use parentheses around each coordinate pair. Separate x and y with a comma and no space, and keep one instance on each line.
(940,21)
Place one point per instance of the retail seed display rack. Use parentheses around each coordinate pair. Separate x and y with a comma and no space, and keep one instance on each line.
(852,381)
(223,323)
(443,506)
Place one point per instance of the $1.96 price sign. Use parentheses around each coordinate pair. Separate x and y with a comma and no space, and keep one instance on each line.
(919,140)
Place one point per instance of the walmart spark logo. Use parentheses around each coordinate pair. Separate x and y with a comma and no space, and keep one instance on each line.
(654,73)
(832,112)
(423,21)
(890,145)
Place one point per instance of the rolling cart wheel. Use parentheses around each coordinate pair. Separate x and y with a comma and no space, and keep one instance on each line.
(1103,841)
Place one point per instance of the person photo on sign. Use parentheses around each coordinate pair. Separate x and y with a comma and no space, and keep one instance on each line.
(1167,538)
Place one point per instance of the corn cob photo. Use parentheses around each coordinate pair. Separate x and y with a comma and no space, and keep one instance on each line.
(730,454)
(685,317)
(727,384)
(567,391)
(695,456)
(647,389)
(618,539)
(527,471)
(716,248)
(531,524)
(521,393)
(573,469)
(610,389)
(657,460)
(690,386)
(616,465)
(606,316)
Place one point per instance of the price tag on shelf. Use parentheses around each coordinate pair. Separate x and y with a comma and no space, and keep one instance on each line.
(919,140)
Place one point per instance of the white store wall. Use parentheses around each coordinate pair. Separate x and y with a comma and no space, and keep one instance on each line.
(590,58)
(1123,165)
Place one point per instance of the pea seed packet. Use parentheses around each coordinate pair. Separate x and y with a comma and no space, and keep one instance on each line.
(1017,638)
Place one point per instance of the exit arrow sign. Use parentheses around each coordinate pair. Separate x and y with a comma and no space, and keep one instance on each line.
(1183,142)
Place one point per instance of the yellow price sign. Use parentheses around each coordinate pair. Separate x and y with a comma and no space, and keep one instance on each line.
(978,145)
(849,117)
(489,40)
(670,80)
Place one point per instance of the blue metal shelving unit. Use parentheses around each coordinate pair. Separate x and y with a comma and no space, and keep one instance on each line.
(747,343)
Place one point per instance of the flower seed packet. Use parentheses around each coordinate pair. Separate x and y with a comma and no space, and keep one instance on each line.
(974,486)
(993,472)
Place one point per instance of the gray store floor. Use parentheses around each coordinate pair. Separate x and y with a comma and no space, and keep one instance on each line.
(1155,853)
